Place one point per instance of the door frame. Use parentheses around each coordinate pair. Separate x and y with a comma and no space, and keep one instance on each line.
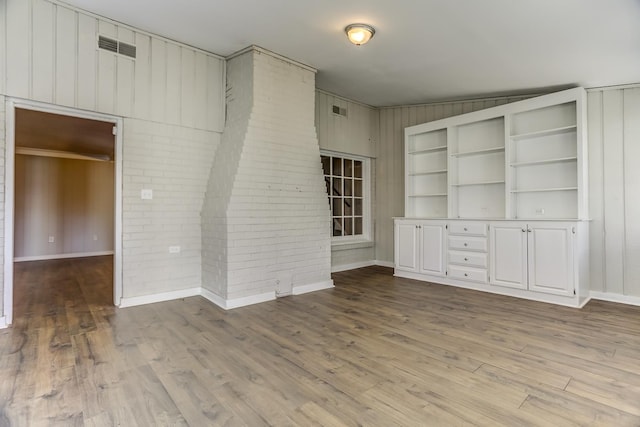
(9,191)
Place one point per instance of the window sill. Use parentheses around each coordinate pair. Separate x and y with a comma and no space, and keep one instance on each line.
(353,244)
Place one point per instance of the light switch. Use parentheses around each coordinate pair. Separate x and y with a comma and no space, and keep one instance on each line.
(174,249)
(146,194)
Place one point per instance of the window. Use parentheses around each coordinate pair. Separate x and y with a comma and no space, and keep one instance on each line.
(347,180)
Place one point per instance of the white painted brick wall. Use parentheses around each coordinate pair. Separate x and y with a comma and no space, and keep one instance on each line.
(174,162)
(271,220)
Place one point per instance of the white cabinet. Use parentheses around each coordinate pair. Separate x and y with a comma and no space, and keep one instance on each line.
(420,247)
(534,256)
(467,251)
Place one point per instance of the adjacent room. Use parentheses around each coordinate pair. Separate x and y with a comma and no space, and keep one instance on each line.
(279,213)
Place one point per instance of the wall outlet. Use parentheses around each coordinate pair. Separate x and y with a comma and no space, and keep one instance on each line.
(174,249)
(540,211)
(52,239)
(146,194)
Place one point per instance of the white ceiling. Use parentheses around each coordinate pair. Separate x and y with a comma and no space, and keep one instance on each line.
(423,50)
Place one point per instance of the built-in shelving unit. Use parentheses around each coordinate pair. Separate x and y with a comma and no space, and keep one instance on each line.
(525,160)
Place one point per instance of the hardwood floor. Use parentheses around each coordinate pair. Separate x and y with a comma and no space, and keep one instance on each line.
(376,351)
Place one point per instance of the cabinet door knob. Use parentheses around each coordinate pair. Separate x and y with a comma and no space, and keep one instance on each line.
(524,231)
(528,230)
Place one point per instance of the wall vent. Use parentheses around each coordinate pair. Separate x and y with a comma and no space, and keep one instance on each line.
(341,111)
(115,46)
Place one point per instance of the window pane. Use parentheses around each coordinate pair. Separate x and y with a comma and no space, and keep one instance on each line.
(348,187)
(337,206)
(337,187)
(337,166)
(357,207)
(327,181)
(357,168)
(337,226)
(348,167)
(357,188)
(348,226)
(326,164)
(348,206)
(357,226)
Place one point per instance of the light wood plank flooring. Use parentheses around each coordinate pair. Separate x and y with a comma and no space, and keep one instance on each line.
(374,351)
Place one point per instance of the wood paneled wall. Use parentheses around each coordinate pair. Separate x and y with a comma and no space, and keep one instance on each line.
(51,55)
(614,190)
(390,159)
(70,200)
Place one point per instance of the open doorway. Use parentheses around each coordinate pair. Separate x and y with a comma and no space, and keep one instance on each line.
(62,207)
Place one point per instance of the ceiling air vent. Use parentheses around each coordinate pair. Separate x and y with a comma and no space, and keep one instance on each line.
(116,47)
(108,44)
(341,111)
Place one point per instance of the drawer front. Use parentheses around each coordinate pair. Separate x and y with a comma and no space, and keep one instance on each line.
(471,274)
(468,243)
(468,228)
(471,259)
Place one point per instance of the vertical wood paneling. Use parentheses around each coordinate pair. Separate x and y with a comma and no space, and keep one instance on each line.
(631,150)
(66,54)
(158,79)
(42,53)
(613,190)
(596,191)
(200,99)
(142,93)
(125,76)
(18,42)
(188,89)
(173,88)
(107,72)
(87,59)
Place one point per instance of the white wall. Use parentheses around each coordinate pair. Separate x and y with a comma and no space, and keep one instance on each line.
(71,200)
(614,190)
(171,97)
(357,133)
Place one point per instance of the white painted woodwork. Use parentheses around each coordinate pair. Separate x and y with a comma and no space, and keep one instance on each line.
(406,246)
(52,56)
(431,241)
(508,255)
(550,258)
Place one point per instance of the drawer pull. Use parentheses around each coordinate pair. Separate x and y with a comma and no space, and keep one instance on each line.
(466,259)
(466,244)
(466,274)
(465,229)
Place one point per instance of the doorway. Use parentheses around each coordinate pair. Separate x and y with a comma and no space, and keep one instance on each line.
(61,214)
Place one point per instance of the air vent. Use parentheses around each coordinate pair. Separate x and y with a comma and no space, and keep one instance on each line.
(127,50)
(115,46)
(108,44)
(339,111)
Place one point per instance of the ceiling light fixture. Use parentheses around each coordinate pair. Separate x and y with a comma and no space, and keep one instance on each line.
(359,33)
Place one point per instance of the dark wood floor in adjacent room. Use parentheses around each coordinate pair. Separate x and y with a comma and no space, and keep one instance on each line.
(375,351)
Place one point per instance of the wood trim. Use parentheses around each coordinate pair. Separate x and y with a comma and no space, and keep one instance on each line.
(163,296)
(62,256)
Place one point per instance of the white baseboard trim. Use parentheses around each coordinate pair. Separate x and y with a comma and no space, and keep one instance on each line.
(352,266)
(61,256)
(164,296)
(312,287)
(385,264)
(228,304)
(3,322)
(611,297)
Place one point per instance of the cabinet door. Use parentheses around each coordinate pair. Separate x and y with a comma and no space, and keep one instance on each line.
(432,245)
(406,246)
(508,255)
(551,258)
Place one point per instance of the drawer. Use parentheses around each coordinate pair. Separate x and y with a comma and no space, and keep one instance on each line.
(468,228)
(471,274)
(471,259)
(462,243)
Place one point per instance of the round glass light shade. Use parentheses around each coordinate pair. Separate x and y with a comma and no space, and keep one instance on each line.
(359,33)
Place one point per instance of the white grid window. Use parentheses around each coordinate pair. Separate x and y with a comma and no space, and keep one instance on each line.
(347,178)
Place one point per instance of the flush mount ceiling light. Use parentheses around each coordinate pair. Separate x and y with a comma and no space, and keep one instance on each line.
(359,33)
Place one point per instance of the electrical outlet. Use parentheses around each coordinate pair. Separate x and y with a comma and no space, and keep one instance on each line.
(52,239)
(540,211)
(146,194)
(174,249)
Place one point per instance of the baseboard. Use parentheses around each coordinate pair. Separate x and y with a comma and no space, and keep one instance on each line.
(61,256)
(3,322)
(619,298)
(385,263)
(228,304)
(352,266)
(304,289)
(164,296)
(211,297)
